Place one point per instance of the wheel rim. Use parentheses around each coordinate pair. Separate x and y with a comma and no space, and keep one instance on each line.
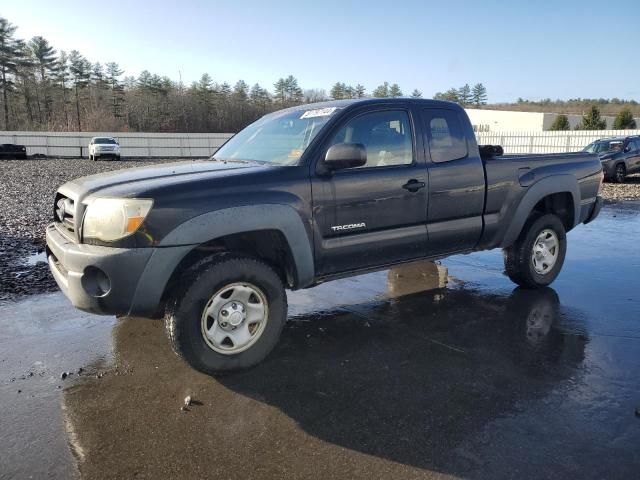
(545,251)
(620,173)
(234,318)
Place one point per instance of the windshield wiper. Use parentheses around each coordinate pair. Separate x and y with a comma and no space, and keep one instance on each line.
(235,160)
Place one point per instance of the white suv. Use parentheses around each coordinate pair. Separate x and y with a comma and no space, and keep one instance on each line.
(104,147)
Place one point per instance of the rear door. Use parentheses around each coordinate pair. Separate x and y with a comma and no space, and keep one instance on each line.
(376,214)
(456,182)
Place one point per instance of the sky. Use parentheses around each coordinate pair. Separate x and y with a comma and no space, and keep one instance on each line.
(519,48)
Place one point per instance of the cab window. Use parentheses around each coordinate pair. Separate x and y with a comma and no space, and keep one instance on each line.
(386,135)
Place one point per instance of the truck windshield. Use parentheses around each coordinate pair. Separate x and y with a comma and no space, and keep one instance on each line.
(279,138)
(103,141)
(602,147)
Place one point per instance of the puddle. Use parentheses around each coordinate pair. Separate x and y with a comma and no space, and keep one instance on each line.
(35,258)
(41,337)
(403,373)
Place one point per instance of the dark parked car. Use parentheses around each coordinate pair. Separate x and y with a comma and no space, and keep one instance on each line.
(300,197)
(620,156)
(10,150)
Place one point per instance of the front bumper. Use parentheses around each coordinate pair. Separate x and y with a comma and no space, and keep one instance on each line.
(106,154)
(135,277)
(609,170)
(595,210)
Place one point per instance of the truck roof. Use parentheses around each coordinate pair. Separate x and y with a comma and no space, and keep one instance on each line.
(374,101)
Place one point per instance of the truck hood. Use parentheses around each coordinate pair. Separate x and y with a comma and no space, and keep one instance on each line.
(137,177)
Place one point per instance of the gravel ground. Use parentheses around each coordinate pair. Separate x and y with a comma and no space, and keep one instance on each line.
(630,190)
(27,188)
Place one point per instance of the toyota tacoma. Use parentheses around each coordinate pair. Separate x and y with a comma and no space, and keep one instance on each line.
(300,197)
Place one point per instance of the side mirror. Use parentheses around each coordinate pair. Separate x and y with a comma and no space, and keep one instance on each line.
(345,155)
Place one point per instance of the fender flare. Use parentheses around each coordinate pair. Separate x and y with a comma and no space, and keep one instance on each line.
(228,221)
(564,183)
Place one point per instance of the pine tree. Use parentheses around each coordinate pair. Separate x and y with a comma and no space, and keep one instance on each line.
(464,94)
(416,93)
(592,120)
(479,94)
(349,91)
(61,76)
(259,97)
(382,91)
(80,69)
(11,55)
(44,59)
(561,122)
(450,95)
(280,90)
(624,120)
(338,91)
(360,91)
(394,90)
(293,91)
(112,76)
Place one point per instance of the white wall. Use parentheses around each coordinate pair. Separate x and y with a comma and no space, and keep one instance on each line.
(498,120)
(186,145)
(73,144)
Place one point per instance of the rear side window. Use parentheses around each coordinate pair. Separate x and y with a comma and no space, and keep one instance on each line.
(446,138)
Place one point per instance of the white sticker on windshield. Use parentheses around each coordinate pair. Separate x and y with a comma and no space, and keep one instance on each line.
(319,112)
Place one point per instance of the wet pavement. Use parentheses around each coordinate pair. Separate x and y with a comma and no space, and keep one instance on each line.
(423,371)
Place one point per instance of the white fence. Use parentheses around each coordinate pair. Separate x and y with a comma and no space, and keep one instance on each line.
(73,144)
(185,145)
(547,142)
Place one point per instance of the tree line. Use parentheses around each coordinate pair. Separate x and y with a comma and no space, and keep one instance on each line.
(466,95)
(45,89)
(592,120)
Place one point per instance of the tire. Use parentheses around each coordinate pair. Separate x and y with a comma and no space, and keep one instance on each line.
(530,265)
(620,173)
(195,334)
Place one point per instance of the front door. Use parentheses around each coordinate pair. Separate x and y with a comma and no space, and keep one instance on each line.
(376,214)
(633,156)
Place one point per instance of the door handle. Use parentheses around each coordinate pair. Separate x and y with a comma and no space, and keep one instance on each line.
(414,185)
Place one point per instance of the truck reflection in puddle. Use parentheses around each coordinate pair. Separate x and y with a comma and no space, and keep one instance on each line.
(405,371)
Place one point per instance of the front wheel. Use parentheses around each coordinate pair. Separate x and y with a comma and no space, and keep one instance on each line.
(227,315)
(620,174)
(537,256)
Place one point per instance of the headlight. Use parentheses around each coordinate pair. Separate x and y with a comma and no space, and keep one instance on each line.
(110,219)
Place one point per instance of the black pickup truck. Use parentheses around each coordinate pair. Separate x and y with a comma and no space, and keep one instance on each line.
(300,197)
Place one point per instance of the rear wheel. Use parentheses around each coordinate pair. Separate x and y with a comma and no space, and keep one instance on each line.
(620,174)
(537,256)
(228,315)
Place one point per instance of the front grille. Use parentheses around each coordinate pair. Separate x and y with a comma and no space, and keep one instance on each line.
(64,212)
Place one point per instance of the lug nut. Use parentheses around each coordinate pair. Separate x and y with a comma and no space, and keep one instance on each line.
(224,313)
(223,324)
(234,306)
